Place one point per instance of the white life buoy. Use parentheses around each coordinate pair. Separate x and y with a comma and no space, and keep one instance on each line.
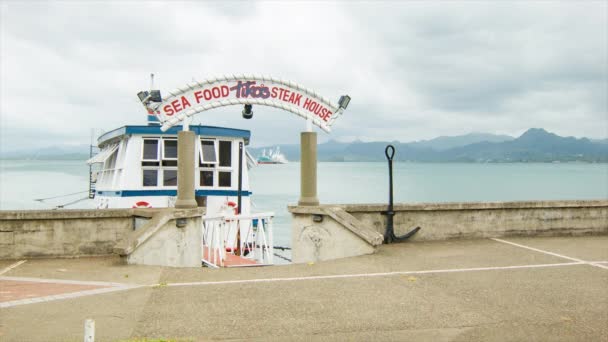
(142,204)
(234,206)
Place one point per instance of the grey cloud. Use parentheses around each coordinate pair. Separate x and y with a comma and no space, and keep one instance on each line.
(415,70)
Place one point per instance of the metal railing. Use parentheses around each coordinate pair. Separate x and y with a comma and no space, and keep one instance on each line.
(238,240)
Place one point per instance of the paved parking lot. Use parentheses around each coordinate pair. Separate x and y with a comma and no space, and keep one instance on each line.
(466,290)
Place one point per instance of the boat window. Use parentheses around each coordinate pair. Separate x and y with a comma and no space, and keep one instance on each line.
(206,178)
(207,152)
(169,177)
(150,178)
(225,179)
(225,153)
(159,159)
(150,151)
(169,149)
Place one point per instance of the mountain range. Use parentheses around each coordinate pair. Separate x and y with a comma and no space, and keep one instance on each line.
(535,145)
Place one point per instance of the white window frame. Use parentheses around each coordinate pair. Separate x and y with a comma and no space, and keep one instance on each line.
(213,171)
(158,146)
(153,168)
(162,170)
(217,172)
(200,151)
(233,152)
(163,149)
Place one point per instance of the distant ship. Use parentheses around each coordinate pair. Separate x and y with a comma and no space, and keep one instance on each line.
(272,157)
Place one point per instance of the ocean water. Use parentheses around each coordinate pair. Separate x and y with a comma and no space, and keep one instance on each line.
(276,186)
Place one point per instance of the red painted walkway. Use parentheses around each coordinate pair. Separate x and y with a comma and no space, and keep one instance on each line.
(231,259)
(11,290)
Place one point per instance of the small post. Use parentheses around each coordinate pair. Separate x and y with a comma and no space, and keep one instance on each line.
(239,200)
(185,170)
(308,169)
(89,330)
(240,184)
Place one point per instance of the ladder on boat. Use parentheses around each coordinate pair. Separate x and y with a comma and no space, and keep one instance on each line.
(92,178)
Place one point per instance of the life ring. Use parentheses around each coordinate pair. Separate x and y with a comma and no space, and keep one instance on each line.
(234,206)
(142,204)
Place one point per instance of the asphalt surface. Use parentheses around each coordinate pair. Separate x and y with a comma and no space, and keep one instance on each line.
(475,290)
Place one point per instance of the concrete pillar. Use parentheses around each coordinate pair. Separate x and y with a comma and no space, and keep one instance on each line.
(185,170)
(308,169)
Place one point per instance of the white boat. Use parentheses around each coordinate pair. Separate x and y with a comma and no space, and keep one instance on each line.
(138,168)
(272,157)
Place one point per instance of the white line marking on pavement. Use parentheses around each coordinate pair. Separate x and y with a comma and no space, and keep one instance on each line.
(68,295)
(367,275)
(15,265)
(550,253)
(114,287)
(64,281)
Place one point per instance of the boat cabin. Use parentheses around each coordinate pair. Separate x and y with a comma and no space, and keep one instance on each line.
(138,168)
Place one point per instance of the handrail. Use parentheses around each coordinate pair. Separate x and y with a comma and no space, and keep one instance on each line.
(221,234)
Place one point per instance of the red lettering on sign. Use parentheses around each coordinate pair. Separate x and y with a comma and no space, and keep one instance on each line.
(281,91)
(318,109)
(274,93)
(176,106)
(198,95)
(215,92)
(313,107)
(168,110)
(225,91)
(297,99)
(207,94)
(307,103)
(292,97)
(326,115)
(285,96)
(185,102)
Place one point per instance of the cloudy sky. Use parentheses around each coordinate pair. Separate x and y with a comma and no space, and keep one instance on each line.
(414,70)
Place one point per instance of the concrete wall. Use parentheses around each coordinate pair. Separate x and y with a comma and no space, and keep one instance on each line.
(335,237)
(441,221)
(172,237)
(63,233)
(483,220)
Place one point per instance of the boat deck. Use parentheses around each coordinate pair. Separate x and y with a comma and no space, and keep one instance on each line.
(460,290)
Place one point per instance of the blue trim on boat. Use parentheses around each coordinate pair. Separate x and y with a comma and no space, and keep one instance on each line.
(167,192)
(205,131)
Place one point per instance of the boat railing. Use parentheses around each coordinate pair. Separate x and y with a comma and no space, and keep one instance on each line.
(238,240)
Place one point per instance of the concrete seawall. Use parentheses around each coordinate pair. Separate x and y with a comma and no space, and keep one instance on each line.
(141,236)
(64,233)
(439,221)
(319,232)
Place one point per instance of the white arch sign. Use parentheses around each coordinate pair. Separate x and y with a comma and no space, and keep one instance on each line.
(229,90)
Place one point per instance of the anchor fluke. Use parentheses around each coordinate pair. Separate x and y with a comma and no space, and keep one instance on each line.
(394,238)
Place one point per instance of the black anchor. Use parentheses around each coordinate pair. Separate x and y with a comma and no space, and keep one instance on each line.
(389,234)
